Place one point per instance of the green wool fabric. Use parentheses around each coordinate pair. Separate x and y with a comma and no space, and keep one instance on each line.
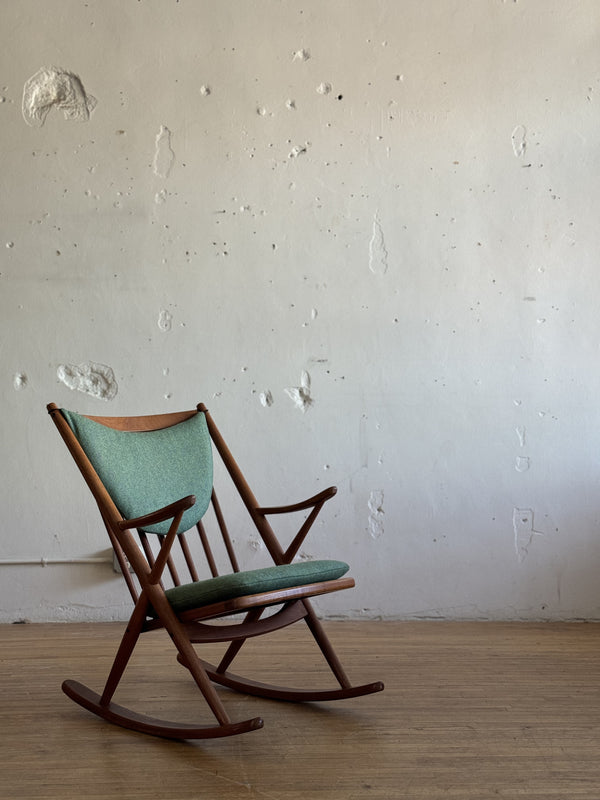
(239,584)
(145,471)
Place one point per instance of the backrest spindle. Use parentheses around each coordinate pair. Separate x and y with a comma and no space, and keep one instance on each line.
(224,532)
(207,549)
(188,557)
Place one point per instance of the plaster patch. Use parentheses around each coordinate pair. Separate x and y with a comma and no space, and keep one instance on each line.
(376,514)
(255,544)
(301,394)
(165,321)
(97,380)
(20,381)
(524,531)
(324,88)
(266,399)
(522,463)
(53,87)
(301,55)
(298,150)
(163,155)
(160,198)
(520,431)
(519,141)
(378,255)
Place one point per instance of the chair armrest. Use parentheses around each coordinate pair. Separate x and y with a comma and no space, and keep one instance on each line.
(318,499)
(173,511)
(161,514)
(314,503)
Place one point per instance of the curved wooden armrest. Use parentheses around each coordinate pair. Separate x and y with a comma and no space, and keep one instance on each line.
(173,511)
(161,514)
(318,499)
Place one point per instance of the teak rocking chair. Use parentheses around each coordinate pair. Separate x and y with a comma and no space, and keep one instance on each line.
(154,475)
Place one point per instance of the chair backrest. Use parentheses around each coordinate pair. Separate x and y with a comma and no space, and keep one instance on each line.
(136,465)
(143,470)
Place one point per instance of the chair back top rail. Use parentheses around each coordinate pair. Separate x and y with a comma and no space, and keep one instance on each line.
(150,422)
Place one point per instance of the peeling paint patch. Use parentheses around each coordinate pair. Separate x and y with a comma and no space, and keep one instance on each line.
(163,155)
(522,463)
(165,321)
(301,394)
(255,544)
(324,88)
(96,380)
(378,255)
(20,381)
(266,399)
(298,150)
(52,87)
(376,514)
(524,531)
(519,141)
(160,198)
(301,55)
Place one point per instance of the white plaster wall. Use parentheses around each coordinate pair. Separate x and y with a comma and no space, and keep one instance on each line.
(388,207)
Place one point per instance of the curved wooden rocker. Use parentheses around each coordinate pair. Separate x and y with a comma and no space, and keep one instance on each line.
(153,476)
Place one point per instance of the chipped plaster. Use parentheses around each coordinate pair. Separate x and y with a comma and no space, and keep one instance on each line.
(437,210)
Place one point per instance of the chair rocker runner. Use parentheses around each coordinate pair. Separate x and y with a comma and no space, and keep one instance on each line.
(153,476)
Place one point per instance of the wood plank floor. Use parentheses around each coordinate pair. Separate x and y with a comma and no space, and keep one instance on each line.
(471,711)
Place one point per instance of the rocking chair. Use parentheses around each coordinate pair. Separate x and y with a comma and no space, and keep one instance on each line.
(154,475)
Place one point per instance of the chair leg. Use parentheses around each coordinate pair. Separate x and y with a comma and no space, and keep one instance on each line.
(189,658)
(316,628)
(128,642)
(103,707)
(234,648)
(219,674)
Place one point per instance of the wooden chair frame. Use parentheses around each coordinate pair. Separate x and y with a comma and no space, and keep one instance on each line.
(152,609)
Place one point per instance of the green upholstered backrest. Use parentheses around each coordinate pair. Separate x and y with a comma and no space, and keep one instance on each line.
(144,471)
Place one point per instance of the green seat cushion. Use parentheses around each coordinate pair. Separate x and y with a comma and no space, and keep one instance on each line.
(238,584)
(144,471)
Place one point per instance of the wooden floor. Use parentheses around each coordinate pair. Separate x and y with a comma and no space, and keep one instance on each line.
(471,711)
